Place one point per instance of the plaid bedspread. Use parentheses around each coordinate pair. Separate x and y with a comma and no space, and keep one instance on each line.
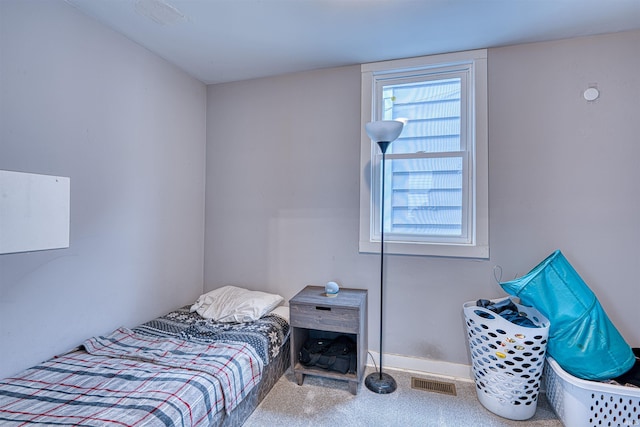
(128,379)
(236,366)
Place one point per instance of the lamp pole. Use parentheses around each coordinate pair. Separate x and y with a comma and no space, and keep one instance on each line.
(383,147)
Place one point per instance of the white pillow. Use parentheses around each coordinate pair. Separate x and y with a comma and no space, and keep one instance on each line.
(233,304)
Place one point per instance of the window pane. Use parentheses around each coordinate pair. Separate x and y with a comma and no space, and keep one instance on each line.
(433,110)
(425,197)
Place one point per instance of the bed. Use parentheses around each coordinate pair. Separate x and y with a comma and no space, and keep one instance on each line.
(180,369)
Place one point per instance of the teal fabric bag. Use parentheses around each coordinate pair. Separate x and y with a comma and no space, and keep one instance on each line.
(582,339)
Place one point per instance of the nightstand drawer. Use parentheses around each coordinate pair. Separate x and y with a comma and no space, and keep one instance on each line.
(324,317)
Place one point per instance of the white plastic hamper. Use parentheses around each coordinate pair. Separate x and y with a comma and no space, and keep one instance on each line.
(507,359)
(582,403)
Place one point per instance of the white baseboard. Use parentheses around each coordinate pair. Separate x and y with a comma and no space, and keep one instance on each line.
(423,366)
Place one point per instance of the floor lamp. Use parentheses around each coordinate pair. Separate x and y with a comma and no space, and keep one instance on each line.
(382,132)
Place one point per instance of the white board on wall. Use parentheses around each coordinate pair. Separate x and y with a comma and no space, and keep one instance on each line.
(34,212)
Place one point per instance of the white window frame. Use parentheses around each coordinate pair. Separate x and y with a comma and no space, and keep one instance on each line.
(476,161)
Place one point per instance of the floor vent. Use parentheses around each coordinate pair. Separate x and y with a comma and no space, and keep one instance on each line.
(432,385)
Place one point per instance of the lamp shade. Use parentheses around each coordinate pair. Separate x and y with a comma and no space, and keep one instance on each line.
(384,130)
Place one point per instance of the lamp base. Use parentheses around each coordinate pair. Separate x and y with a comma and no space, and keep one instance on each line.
(380,383)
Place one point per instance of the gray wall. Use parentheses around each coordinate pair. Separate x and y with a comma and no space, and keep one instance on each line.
(283,172)
(79,100)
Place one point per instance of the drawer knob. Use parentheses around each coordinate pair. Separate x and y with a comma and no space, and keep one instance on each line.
(323,308)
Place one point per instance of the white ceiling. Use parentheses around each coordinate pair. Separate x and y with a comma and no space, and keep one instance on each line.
(228,40)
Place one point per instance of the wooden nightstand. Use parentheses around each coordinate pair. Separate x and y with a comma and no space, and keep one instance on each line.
(312,314)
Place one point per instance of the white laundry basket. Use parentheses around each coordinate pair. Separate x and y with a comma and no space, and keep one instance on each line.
(582,403)
(508,359)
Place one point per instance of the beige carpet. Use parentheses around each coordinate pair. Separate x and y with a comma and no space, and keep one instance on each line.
(323,402)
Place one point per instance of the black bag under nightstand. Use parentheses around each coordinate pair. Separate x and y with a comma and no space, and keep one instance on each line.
(338,354)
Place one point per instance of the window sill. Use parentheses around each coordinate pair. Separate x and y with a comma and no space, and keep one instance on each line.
(427,249)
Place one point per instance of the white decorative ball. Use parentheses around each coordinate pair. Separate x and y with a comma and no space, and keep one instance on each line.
(331,288)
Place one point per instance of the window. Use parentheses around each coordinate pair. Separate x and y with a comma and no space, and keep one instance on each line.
(436,172)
